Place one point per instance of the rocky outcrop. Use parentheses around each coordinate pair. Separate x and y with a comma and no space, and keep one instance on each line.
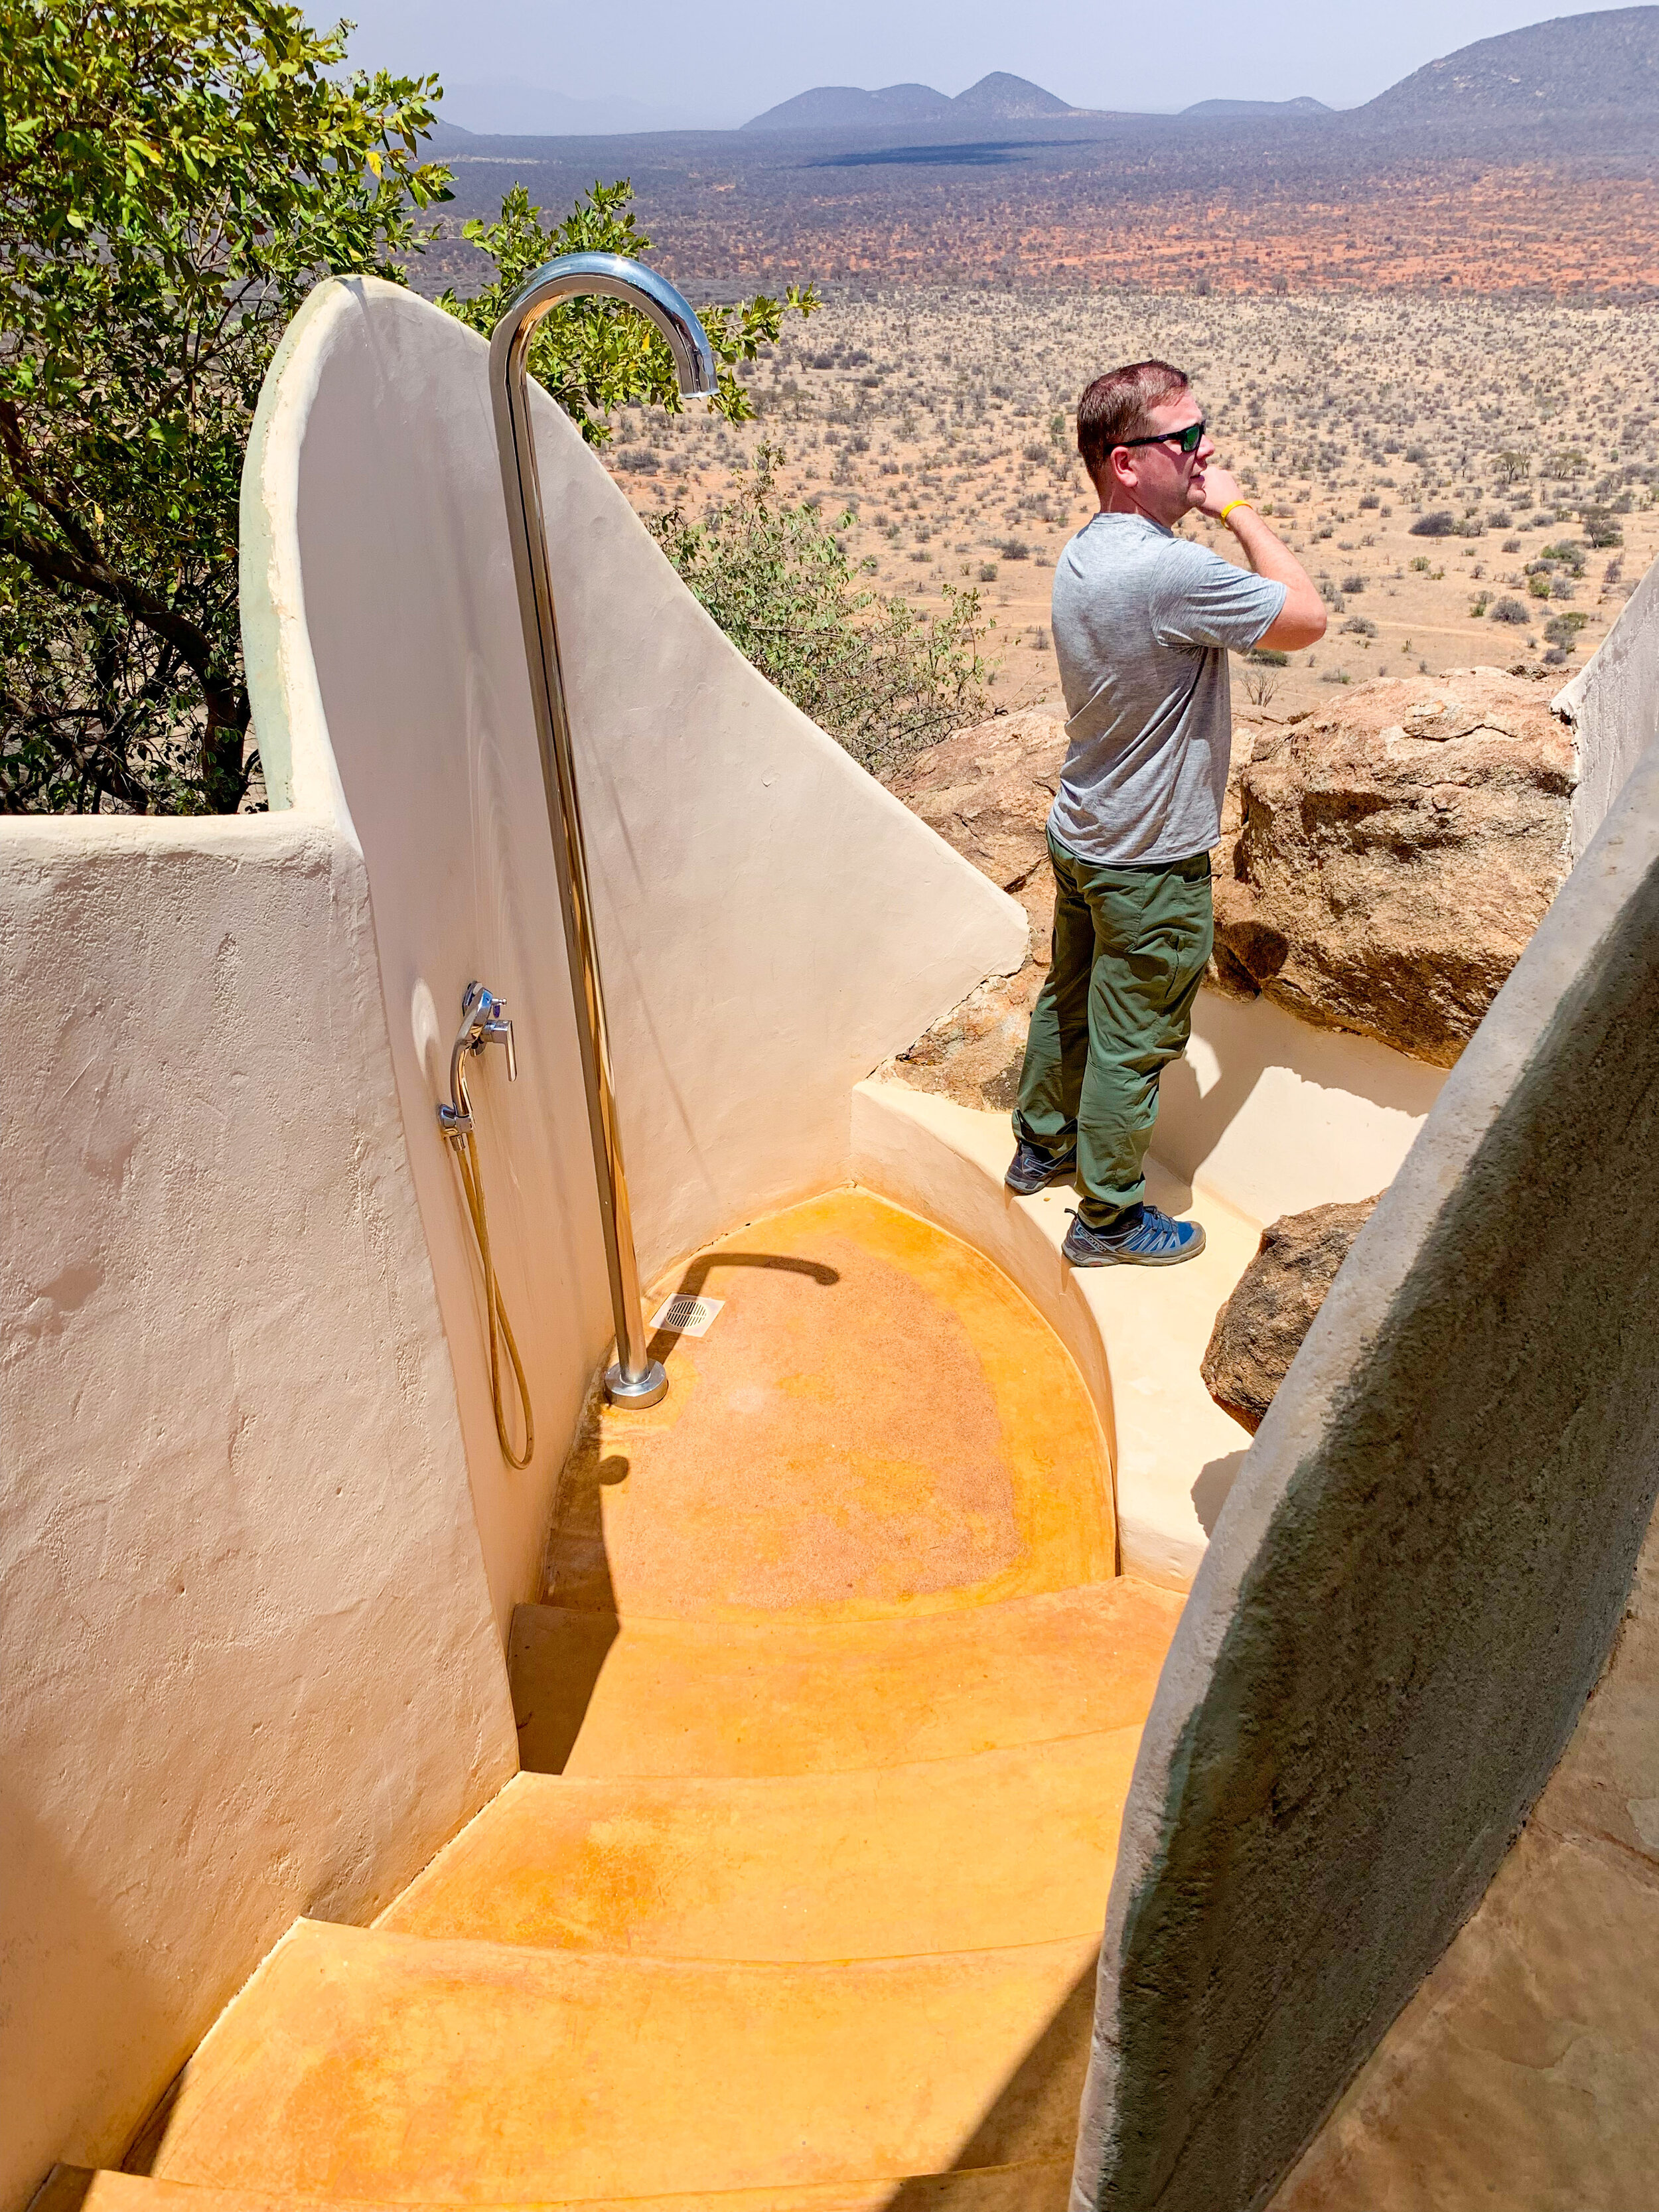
(1259,1330)
(1384,861)
(987,790)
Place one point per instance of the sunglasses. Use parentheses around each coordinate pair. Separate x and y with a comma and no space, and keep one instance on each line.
(1190,438)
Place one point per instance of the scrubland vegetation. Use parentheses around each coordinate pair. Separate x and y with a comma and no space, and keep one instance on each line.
(1468,480)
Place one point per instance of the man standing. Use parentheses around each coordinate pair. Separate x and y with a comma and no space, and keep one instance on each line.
(1143,620)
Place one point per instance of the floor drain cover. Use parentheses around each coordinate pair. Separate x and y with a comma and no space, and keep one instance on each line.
(683,1315)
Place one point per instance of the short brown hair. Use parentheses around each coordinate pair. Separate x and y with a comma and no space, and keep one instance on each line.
(1119,405)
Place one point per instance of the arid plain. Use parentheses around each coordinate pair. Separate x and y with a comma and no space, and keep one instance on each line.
(940,421)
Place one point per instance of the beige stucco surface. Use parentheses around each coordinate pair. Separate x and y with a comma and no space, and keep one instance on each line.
(249,1664)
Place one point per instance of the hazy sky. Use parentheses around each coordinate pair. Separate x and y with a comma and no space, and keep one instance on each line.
(715,62)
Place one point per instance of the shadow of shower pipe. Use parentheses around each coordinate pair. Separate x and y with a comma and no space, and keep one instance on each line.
(693,1282)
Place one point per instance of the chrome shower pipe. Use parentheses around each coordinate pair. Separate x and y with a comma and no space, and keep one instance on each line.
(634,1378)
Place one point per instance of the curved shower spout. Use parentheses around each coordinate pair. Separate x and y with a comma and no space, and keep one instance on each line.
(634,1378)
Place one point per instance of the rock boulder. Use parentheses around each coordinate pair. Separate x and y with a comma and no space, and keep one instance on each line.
(1259,1330)
(1384,861)
(987,790)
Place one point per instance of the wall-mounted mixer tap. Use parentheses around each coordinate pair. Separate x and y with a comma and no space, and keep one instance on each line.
(483,1021)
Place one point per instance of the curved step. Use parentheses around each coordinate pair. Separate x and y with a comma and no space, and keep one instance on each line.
(660,1698)
(1004,1847)
(1040,2185)
(388,2069)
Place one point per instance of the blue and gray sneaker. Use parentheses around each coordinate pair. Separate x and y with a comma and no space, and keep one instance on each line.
(1144,1236)
(1031,1170)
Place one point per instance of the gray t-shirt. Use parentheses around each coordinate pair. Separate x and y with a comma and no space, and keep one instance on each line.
(1143,620)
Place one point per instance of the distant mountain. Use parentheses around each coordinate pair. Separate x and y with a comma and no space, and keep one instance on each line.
(1610,59)
(845,108)
(998,98)
(1222,109)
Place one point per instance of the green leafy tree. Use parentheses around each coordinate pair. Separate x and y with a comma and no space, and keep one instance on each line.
(597,355)
(175,176)
(881,678)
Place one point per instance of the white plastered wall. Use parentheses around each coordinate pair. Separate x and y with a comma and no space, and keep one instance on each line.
(250,1665)
(772,923)
(250,1641)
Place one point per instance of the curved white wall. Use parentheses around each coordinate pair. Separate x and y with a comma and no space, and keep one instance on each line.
(772,923)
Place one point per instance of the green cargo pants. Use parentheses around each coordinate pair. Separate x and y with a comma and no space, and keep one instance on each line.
(1130,946)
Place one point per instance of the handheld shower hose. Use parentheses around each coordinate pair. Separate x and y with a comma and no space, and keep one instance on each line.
(483,1021)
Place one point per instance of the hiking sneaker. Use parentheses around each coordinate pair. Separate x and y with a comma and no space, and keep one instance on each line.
(1030,1170)
(1145,1236)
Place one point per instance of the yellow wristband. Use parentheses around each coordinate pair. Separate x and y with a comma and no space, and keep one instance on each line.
(1231,505)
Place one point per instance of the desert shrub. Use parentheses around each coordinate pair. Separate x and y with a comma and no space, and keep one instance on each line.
(1600,527)
(1014,548)
(1510,611)
(1368,501)
(1353,583)
(1511,545)
(1439,524)
(1357,626)
(1563,629)
(1538,584)
(988,572)
(882,679)
(1500,518)
(1261,676)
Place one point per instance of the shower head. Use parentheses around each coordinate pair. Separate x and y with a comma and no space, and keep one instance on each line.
(614,277)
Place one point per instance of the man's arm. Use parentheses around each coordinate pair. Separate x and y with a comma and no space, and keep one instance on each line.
(1300,620)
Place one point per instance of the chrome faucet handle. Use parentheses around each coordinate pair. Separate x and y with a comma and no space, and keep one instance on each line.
(483,1020)
(502,1030)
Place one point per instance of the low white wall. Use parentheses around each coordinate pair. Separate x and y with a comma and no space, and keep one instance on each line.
(1274,1115)
(249,1661)
(772,923)
(1612,705)
(1137,1338)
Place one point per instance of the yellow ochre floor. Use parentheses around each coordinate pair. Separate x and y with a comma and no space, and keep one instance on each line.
(827,1721)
